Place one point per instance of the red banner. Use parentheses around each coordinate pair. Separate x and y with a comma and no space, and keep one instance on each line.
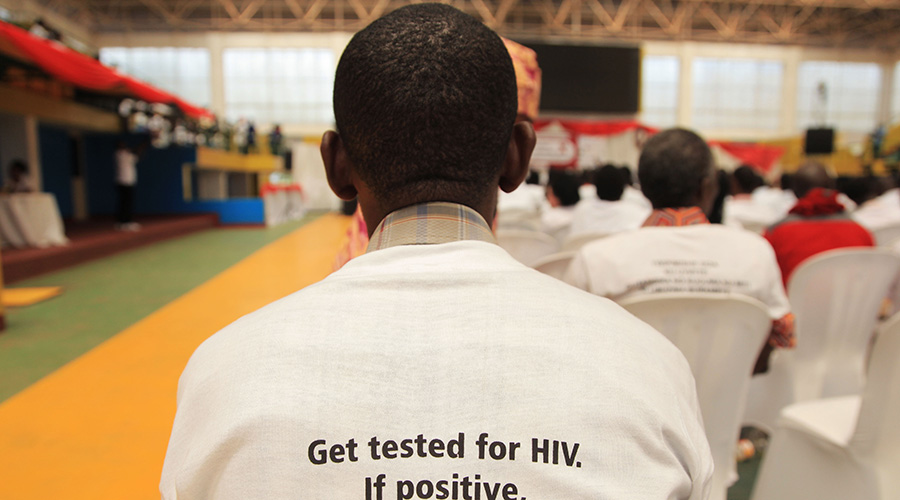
(84,72)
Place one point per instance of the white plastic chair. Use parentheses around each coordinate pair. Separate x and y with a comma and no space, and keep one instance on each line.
(554,264)
(574,242)
(841,448)
(721,336)
(836,297)
(526,246)
(885,236)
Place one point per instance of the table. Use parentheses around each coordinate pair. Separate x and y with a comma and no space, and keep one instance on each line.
(31,220)
(282,203)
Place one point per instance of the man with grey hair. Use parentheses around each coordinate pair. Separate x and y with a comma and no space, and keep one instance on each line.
(677,249)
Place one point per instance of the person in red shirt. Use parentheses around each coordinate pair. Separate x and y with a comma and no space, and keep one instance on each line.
(817,223)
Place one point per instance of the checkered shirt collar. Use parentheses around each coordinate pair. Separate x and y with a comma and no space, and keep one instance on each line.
(430,224)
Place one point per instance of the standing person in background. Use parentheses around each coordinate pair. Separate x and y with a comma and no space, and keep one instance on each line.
(435,362)
(126,180)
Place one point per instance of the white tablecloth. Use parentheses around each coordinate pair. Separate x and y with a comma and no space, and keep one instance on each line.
(31,220)
(282,204)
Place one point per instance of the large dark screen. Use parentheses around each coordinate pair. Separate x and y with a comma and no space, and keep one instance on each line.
(589,78)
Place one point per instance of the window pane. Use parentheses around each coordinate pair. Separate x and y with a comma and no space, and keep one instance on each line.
(736,94)
(280,85)
(181,71)
(659,90)
(839,94)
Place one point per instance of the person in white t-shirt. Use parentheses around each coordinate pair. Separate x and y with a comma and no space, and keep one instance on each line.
(434,365)
(608,213)
(562,196)
(678,250)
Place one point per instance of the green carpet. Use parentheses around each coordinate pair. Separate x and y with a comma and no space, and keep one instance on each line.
(103,297)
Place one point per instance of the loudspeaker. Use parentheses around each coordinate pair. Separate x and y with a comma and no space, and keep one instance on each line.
(819,141)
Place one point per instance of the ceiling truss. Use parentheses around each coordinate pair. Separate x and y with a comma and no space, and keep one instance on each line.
(833,23)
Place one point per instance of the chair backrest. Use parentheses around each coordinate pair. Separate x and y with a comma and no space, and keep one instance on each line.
(554,264)
(526,246)
(575,241)
(836,297)
(721,336)
(877,436)
(885,236)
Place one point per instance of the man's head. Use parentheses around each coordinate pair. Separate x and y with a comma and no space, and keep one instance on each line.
(676,170)
(610,183)
(809,176)
(562,189)
(744,180)
(425,103)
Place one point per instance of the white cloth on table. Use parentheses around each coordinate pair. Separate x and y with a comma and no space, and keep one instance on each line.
(449,342)
(697,258)
(31,220)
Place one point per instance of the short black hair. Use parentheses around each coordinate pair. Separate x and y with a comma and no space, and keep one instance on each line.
(746,179)
(672,168)
(627,175)
(424,101)
(610,183)
(565,187)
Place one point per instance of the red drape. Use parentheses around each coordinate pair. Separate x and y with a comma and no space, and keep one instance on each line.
(84,72)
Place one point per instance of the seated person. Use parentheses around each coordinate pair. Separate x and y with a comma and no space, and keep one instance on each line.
(881,211)
(745,208)
(562,196)
(608,213)
(19,181)
(521,209)
(631,194)
(818,222)
(435,362)
(678,250)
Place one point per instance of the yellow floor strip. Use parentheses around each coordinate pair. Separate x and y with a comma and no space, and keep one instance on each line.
(98,427)
(20,297)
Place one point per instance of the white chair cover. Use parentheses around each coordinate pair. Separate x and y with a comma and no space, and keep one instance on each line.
(841,448)
(526,246)
(836,297)
(576,241)
(721,336)
(886,236)
(555,264)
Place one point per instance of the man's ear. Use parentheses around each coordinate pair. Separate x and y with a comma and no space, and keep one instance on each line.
(518,156)
(338,167)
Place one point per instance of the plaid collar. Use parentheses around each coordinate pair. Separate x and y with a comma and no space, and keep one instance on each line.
(430,224)
(674,217)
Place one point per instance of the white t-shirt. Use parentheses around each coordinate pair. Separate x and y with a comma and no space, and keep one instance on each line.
(126,167)
(382,380)
(750,213)
(880,212)
(697,258)
(556,221)
(602,216)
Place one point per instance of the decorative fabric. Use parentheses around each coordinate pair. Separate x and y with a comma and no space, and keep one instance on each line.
(430,224)
(676,217)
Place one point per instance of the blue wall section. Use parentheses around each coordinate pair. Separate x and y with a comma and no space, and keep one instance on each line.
(56,166)
(159,188)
